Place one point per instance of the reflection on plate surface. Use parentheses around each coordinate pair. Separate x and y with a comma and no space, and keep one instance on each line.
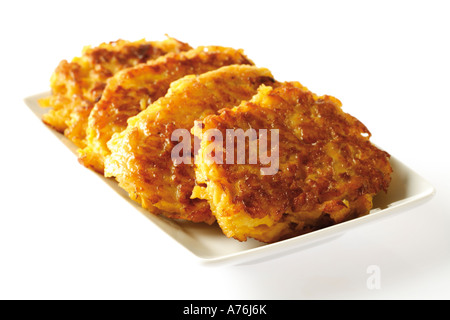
(209,245)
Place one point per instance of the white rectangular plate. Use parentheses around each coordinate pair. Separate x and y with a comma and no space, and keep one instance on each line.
(210,246)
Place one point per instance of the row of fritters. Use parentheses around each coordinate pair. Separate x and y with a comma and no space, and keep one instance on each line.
(121,102)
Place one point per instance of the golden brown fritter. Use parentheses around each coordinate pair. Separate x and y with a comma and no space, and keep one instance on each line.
(328,169)
(78,85)
(132,90)
(141,154)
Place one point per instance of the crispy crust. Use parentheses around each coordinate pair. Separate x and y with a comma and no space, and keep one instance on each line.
(78,85)
(328,169)
(141,155)
(132,90)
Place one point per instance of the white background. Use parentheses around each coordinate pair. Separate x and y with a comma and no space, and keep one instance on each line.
(65,235)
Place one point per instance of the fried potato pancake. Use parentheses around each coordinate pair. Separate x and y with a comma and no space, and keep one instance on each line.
(132,90)
(140,158)
(78,85)
(328,168)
